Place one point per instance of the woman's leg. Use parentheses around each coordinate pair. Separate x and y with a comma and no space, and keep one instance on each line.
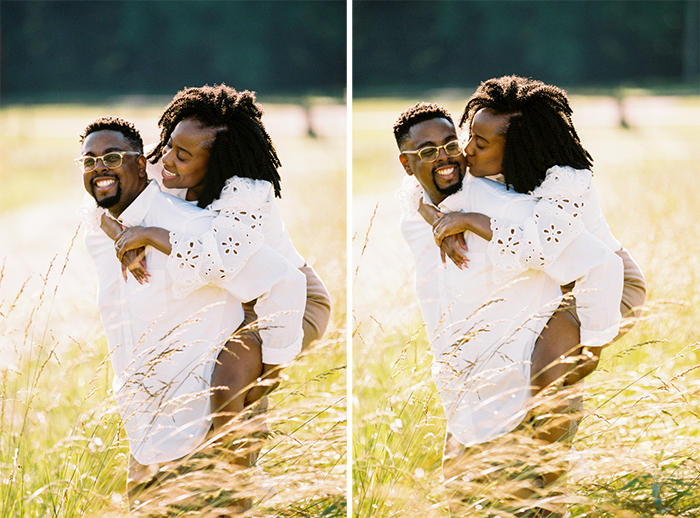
(238,366)
(560,337)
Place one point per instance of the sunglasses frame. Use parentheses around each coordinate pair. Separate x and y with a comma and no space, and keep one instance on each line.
(438,148)
(81,161)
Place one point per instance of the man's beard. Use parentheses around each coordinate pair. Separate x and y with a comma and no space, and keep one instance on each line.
(452,189)
(110,201)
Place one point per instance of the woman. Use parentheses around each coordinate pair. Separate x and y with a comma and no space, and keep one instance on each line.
(214,150)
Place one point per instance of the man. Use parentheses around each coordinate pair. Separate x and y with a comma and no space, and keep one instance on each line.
(482,336)
(163,349)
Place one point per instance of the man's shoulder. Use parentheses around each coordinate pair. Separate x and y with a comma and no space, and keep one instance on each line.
(488,197)
(496,189)
(176,204)
(173,213)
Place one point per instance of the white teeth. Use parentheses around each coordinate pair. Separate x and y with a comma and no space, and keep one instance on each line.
(105,182)
(445,171)
(168,174)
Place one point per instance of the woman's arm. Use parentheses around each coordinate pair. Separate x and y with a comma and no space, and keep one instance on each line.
(236,233)
(133,238)
(459,222)
(449,229)
(111,226)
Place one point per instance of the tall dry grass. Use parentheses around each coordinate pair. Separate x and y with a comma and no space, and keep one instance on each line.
(63,452)
(636,447)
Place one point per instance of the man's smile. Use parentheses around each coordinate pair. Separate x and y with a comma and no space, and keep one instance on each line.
(103,184)
(447,171)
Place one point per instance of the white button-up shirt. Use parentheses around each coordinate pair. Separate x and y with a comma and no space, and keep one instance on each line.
(163,349)
(482,335)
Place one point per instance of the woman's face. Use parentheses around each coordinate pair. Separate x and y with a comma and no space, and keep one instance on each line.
(186,157)
(484,151)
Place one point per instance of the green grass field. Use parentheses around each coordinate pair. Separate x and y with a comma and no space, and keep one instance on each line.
(62,450)
(640,433)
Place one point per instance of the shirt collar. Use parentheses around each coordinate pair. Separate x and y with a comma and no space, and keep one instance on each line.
(455,201)
(135,213)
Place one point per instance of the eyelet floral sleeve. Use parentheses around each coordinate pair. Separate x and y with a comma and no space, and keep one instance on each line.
(236,234)
(559,217)
(409,195)
(91,214)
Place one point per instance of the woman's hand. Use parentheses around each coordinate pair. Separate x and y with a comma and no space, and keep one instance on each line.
(134,261)
(454,247)
(130,246)
(450,224)
(131,238)
(448,232)
(450,246)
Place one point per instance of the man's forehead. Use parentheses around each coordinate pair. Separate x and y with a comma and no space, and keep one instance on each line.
(431,130)
(106,139)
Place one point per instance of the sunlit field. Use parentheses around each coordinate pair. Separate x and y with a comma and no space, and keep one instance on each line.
(62,450)
(639,437)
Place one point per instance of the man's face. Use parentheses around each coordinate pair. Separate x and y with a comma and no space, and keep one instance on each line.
(113,189)
(486,143)
(443,177)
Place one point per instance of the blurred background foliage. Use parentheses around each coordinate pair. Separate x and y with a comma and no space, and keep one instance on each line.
(86,50)
(402,47)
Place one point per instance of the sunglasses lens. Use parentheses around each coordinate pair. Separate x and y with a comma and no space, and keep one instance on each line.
(428,154)
(112,160)
(453,148)
(88,163)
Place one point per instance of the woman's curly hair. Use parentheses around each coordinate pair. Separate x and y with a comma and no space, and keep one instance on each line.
(241,146)
(540,133)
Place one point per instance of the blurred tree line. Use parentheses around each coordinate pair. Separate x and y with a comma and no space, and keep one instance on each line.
(82,48)
(566,42)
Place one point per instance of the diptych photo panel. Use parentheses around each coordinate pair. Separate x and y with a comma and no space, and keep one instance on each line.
(349,258)
(519,346)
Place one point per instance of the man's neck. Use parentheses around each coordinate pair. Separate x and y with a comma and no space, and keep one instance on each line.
(115,212)
(428,200)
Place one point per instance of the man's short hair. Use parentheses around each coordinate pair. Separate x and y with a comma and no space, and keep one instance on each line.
(416,114)
(126,128)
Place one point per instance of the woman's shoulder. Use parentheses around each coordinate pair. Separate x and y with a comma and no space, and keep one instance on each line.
(565,182)
(243,192)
